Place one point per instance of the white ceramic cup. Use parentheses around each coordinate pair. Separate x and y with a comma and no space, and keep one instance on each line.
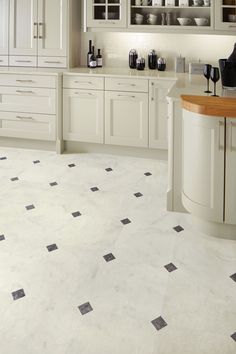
(138,19)
(146,2)
(197,2)
(207,2)
(138,2)
(151,19)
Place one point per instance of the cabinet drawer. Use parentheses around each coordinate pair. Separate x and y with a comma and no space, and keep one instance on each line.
(83,82)
(27,99)
(25,80)
(123,84)
(52,62)
(3,60)
(27,126)
(23,61)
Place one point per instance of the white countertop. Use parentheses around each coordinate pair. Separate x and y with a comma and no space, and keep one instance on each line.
(31,71)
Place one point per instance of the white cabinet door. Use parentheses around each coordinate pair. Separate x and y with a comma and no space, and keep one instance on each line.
(230,172)
(23,27)
(4,27)
(126,118)
(52,27)
(83,118)
(225,15)
(158,90)
(203,166)
(106,13)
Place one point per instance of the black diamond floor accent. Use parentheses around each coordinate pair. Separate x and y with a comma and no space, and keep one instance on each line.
(76,214)
(94,189)
(52,247)
(233,276)
(138,195)
(170,267)
(71,165)
(30,207)
(85,308)
(3,158)
(52,184)
(2,237)
(109,169)
(178,228)
(109,257)
(36,161)
(147,173)
(13,179)
(18,294)
(125,221)
(159,323)
(234,336)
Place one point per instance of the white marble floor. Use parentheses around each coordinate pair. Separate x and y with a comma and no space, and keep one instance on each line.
(59,295)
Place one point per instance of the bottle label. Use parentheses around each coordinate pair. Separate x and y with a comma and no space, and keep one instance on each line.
(99,62)
(93,64)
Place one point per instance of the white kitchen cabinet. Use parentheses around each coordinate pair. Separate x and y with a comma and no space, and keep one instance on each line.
(126,118)
(106,13)
(158,90)
(4,15)
(225,15)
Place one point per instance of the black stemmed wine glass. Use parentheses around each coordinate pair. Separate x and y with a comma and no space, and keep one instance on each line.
(207,74)
(215,76)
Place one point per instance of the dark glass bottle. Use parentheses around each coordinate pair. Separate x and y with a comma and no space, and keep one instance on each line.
(99,59)
(232,56)
(92,63)
(152,60)
(89,53)
(133,55)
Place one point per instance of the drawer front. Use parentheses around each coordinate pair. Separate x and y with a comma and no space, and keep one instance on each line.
(123,84)
(83,82)
(25,80)
(27,126)
(27,99)
(3,60)
(23,61)
(52,62)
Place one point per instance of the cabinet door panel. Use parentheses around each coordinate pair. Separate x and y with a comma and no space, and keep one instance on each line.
(203,165)
(106,13)
(52,17)
(126,118)
(23,27)
(3,27)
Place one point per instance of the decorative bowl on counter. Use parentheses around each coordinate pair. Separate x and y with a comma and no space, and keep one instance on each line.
(184,21)
(201,21)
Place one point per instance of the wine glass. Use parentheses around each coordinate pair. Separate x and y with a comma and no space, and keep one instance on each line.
(215,76)
(207,74)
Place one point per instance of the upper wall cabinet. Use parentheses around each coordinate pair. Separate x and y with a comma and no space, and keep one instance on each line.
(106,13)
(225,15)
(4,32)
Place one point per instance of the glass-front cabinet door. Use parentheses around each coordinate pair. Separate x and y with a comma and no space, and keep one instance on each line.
(106,13)
(226,15)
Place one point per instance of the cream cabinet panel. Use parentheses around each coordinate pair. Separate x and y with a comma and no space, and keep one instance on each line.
(52,62)
(83,117)
(106,13)
(158,90)
(52,27)
(27,99)
(203,164)
(28,80)
(126,84)
(83,82)
(20,60)
(3,60)
(126,118)
(4,15)
(230,172)
(225,11)
(23,27)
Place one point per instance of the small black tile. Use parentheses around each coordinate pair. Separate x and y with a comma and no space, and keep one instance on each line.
(109,257)
(147,173)
(13,179)
(109,169)
(52,247)
(138,195)
(178,228)
(18,294)
(3,158)
(71,165)
(159,323)
(170,267)
(125,221)
(30,207)
(52,184)
(2,237)
(234,336)
(85,308)
(36,161)
(94,189)
(233,276)
(75,214)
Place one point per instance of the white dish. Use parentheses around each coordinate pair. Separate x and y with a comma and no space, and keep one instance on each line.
(201,21)
(184,21)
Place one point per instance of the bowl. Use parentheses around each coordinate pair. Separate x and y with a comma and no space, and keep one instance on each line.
(232,18)
(201,21)
(184,21)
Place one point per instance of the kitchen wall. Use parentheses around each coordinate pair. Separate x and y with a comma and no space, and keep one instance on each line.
(115,46)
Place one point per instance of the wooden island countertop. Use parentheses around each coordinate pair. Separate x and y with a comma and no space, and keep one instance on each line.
(210,106)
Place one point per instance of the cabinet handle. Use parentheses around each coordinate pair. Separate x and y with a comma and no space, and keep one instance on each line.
(84,93)
(232,26)
(26,118)
(21,91)
(24,80)
(125,84)
(1,61)
(152,94)
(106,23)
(35,30)
(52,62)
(83,83)
(23,61)
(41,30)
(129,96)
(231,135)
(221,147)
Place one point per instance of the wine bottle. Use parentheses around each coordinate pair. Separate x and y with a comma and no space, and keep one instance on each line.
(92,63)
(232,57)
(99,59)
(89,53)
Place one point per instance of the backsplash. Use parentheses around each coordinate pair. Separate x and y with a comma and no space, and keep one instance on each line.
(116,46)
